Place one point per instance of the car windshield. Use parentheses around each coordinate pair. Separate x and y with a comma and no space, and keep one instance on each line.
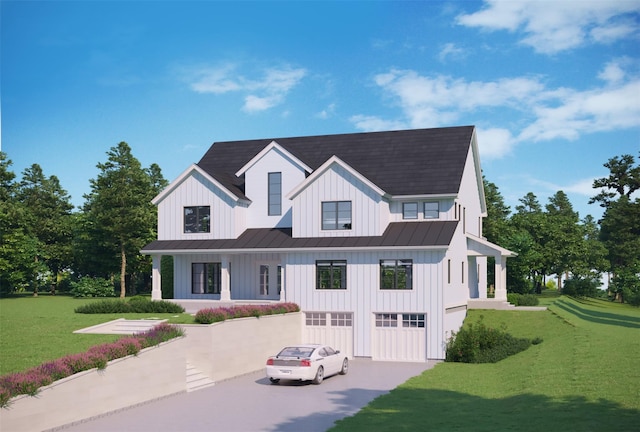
(296,352)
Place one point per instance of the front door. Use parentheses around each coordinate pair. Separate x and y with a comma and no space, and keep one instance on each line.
(269,281)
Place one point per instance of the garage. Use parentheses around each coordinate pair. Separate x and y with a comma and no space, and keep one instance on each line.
(399,337)
(330,328)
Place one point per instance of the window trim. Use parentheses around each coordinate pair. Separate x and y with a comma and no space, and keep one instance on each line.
(274,194)
(334,224)
(199,221)
(212,272)
(426,212)
(406,264)
(332,265)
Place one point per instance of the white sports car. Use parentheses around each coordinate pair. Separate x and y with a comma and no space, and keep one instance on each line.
(310,362)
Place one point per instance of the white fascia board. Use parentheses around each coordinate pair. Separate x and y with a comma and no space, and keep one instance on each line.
(424,197)
(325,167)
(185,174)
(272,146)
(487,244)
(289,250)
(476,161)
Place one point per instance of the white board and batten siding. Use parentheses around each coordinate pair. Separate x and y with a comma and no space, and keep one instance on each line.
(227,217)
(369,213)
(365,299)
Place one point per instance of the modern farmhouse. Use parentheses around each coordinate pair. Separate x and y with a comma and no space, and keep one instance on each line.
(377,236)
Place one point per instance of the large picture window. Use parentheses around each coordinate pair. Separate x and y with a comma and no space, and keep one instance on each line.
(197,219)
(396,274)
(206,278)
(275,194)
(331,274)
(336,215)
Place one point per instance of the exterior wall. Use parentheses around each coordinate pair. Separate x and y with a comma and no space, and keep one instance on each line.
(363,296)
(369,214)
(469,198)
(227,217)
(244,275)
(256,188)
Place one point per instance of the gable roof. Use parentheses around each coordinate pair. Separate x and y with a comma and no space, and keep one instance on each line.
(407,235)
(277,147)
(407,162)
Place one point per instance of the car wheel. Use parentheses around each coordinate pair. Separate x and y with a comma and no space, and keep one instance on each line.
(345,366)
(274,380)
(319,376)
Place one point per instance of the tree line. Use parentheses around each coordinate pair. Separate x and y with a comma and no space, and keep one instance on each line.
(553,240)
(46,244)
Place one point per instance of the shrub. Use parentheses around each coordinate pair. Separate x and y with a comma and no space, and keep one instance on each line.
(581,286)
(212,315)
(138,304)
(30,381)
(92,287)
(522,299)
(477,343)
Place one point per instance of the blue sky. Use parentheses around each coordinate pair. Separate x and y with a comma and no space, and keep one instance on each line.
(553,87)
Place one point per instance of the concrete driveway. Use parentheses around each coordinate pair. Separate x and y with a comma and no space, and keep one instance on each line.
(251,403)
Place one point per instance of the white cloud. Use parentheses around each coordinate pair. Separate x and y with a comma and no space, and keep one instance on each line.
(328,112)
(260,94)
(554,26)
(494,143)
(373,124)
(450,50)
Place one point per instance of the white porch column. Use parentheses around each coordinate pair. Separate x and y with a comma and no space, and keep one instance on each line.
(501,278)
(283,294)
(156,278)
(225,279)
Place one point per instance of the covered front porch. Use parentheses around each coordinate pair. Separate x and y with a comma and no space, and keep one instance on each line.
(480,247)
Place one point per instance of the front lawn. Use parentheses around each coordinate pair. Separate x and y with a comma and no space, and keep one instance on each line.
(38,329)
(584,376)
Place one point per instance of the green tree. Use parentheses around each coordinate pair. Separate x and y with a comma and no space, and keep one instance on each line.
(47,218)
(496,227)
(564,236)
(17,247)
(119,210)
(620,224)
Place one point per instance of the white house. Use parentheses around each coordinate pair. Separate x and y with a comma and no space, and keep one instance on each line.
(376,236)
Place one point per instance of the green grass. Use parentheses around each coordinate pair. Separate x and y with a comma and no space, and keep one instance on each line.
(584,376)
(38,329)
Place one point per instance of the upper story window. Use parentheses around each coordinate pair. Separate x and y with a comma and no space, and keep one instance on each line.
(331,274)
(275,194)
(431,210)
(336,215)
(396,274)
(197,219)
(410,210)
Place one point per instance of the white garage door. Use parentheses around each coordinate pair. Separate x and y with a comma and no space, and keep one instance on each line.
(400,337)
(330,328)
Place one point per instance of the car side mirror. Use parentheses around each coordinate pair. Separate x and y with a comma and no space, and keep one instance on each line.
(337,351)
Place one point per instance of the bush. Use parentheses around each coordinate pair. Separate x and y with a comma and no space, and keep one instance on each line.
(212,315)
(138,304)
(581,286)
(92,287)
(30,381)
(477,343)
(523,299)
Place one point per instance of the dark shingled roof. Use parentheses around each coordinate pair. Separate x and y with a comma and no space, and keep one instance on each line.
(397,234)
(408,162)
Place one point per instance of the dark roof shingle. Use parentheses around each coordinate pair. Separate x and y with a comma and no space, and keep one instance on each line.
(408,162)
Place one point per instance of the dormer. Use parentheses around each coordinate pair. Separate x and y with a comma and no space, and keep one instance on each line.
(268,177)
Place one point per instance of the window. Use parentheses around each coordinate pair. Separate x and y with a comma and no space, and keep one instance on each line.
(206,278)
(410,210)
(264,279)
(336,215)
(396,274)
(316,318)
(275,194)
(279,271)
(462,271)
(341,319)
(196,219)
(448,271)
(413,320)
(431,210)
(331,274)
(386,320)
